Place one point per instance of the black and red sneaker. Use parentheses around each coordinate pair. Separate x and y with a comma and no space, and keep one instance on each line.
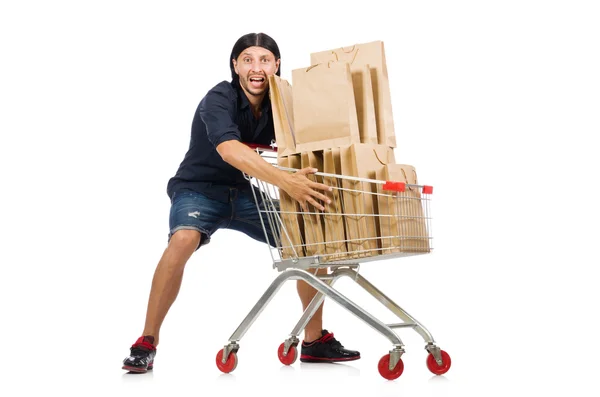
(141,358)
(326,349)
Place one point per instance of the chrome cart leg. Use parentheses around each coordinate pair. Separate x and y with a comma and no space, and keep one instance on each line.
(409,321)
(320,286)
(310,311)
(395,353)
(224,355)
(352,273)
(438,360)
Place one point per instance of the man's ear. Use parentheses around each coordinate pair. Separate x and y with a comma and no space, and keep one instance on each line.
(277,65)
(235,66)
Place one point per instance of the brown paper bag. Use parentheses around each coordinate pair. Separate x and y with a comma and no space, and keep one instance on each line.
(335,233)
(324,107)
(291,232)
(365,105)
(402,224)
(372,54)
(364,161)
(280,93)
(314,235)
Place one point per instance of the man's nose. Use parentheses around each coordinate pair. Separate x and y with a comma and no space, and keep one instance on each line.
(256,67)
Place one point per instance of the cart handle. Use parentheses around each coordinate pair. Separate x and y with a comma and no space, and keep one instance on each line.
(268,148)
(394,186)
(387,185)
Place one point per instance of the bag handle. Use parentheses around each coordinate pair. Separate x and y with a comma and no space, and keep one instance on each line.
(401,169)
(406,177)
(347,52)
(378,158)
(308,69)
(406,181)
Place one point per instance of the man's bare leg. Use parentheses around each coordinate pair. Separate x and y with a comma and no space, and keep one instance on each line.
(315,325)
(317,347)
(167,279)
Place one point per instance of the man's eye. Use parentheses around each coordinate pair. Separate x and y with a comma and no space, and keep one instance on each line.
(247,60)
(265,60)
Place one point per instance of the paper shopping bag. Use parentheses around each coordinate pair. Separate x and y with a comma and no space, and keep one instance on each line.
(314,235)
(402,223)
(365,104)
(280,93)
(333,217)
(324,107)
(363,161)
(372,54)
(292,225)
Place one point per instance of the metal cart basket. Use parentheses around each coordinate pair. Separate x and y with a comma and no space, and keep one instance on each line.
(367,220)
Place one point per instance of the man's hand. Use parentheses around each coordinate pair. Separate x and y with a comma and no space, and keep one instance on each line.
(302,189)
(297,185)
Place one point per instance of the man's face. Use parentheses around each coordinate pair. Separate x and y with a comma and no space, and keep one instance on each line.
(253,66)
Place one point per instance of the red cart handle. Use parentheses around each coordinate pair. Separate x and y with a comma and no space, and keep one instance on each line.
(401,187)
(261,147)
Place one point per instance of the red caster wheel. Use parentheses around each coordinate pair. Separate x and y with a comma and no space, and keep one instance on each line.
(291,357)
(439,369)
(384,368)
(229,365)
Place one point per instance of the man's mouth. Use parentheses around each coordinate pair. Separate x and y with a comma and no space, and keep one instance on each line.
(257,81)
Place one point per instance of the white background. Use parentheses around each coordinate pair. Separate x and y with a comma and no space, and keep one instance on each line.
(495,103)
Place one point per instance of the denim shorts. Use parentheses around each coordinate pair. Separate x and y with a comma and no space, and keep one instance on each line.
(197,211)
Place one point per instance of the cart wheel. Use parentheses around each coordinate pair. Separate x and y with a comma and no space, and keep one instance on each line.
(291,356)
(439,369)
(384,368)
(229,365)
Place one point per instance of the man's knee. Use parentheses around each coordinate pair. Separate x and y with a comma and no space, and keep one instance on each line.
(185,239)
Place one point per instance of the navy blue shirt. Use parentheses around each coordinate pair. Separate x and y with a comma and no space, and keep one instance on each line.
(224,114)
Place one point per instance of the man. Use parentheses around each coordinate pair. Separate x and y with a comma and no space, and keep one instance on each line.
(209,192)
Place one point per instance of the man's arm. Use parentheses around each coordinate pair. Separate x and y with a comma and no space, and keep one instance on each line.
(297,185)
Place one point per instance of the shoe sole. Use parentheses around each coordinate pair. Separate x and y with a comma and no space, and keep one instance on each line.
(311,359)
(137,370)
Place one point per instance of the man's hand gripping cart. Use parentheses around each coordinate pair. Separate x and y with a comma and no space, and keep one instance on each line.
(367,220)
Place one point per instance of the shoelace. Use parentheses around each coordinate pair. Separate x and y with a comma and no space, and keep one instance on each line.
(136,351)
(329,339)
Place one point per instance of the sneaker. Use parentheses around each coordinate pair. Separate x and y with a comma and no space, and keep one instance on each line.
(326,349)
(141,358)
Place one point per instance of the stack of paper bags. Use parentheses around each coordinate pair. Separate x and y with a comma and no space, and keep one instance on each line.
(338,118)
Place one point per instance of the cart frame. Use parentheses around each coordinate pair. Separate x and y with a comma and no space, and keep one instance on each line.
(298,268)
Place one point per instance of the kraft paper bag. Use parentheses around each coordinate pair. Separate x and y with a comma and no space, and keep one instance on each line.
(359,197)
(335,233)
(402,225)
(365,105)
(291,233)
(324,107)
(372,54)
(280,94)
(314,234)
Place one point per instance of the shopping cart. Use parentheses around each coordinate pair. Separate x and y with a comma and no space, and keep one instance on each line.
(367,220)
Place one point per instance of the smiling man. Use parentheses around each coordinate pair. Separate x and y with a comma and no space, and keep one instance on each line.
(209,192)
